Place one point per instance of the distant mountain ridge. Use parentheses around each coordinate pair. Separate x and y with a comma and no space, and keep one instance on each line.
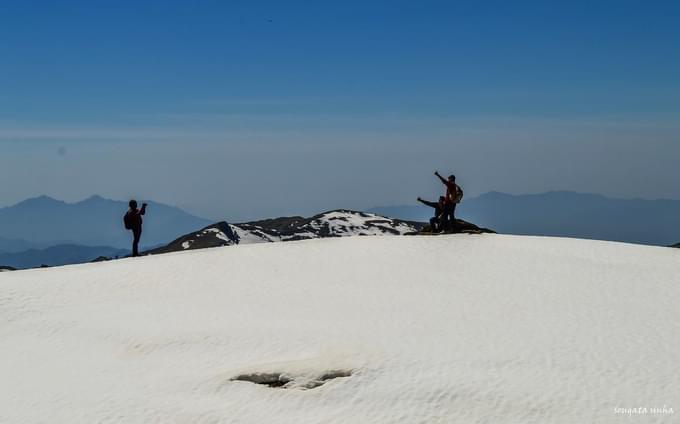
(95,221)
(64,254)
(11,245)
(565,214)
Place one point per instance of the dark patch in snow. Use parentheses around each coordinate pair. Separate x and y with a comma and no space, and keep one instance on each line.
(288,381)
(273,379)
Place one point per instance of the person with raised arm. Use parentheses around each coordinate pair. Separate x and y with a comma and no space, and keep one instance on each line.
(454,194)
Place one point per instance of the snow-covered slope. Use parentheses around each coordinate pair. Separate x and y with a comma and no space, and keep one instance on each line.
(448,329)
(338,223)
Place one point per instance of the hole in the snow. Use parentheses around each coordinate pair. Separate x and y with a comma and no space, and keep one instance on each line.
(287,381)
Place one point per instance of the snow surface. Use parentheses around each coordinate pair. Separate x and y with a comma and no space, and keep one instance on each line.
(439,329)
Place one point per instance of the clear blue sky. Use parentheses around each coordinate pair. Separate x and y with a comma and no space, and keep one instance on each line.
(240,110)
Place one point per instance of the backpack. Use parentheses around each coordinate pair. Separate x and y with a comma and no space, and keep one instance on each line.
(459,194)
(127,221)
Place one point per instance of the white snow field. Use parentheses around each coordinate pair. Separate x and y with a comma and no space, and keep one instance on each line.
(413,329)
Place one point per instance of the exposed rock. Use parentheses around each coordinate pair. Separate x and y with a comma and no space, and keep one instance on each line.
(338,223)
(220,234)
(462,227)
(101,259)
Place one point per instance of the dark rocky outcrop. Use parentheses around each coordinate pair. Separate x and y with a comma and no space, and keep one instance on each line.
(216,235)
(337,223)
(462,227)
(101,259)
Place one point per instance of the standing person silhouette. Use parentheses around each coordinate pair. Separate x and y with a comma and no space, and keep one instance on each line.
(454,194)
(133,222)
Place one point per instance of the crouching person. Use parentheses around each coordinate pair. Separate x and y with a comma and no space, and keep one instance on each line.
(436,224)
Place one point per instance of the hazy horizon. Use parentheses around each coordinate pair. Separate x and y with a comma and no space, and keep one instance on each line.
(414,203)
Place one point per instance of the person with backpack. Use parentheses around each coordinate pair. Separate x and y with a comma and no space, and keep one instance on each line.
(133,222)
(436,220)
(454,194)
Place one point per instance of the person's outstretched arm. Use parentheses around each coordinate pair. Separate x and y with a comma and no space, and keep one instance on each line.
(143,210)
(425,202)
(443,180)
